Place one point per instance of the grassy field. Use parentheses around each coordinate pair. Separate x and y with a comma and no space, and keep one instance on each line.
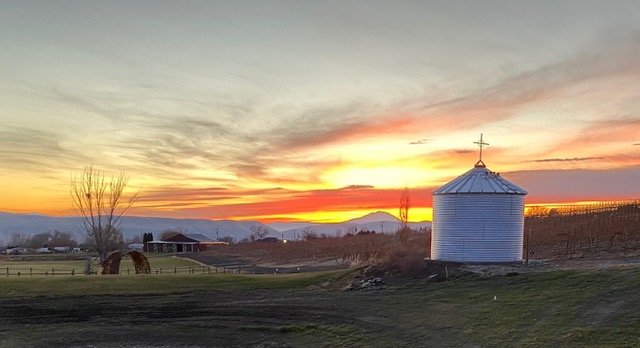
(64,263)
(539,309)
(154,284)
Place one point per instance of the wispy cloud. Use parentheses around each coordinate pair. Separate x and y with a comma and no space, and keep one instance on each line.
(598,132)
(198,135)
(578,184)
(483,106)
(574,159)
(420,142)
(89,104)
(26,149)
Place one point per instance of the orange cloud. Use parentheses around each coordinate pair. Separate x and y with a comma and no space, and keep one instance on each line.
(276,202)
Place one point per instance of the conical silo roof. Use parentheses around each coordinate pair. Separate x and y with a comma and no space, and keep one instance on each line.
(480,180)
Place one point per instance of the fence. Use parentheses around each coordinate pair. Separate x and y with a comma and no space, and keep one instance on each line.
(23,271)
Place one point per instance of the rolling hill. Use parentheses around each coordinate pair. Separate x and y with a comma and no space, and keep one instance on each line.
(30,224)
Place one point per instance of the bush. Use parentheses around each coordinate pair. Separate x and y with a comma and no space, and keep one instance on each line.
(403,261)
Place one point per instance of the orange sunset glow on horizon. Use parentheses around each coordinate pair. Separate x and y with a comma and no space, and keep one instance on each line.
(231,111)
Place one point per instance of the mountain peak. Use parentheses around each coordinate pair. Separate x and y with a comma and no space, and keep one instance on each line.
(374,217)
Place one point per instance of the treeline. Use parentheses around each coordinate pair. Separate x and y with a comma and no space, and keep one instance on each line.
(348,249)
(51,239)
(578,229)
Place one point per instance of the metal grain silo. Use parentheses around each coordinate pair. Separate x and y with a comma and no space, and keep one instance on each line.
(478,217)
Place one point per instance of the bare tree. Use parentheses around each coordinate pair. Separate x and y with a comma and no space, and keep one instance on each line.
(62,239)
(171,232)
(308,233)
(227,239)
(18,239)
(39,240)
(101,204)
(405,204)
(258,232)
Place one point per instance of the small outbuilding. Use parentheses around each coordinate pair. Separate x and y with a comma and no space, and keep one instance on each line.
(181,243)
(478,217)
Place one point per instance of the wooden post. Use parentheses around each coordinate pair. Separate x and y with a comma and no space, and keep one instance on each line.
(73,271)
(7,271)
(30,271)
(526,249)
(175,270)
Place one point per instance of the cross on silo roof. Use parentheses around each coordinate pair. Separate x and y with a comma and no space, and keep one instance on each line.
(480,143)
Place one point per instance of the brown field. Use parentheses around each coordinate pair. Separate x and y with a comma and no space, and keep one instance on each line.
(597,231)
(583,230)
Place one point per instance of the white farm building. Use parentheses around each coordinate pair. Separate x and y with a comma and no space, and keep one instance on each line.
(478,217)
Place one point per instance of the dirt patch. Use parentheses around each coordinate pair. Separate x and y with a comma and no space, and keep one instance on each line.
(256,318)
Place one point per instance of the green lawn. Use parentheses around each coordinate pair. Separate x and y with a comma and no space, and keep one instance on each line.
(554,308)
(66,263)
(26,286)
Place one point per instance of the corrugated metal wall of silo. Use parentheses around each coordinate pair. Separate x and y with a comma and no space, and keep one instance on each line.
(477,227)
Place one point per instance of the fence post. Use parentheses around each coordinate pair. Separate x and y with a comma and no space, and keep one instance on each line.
(30,271)
(7,271)
(175,270)
(127,271)
(73,271)
(46,273)
(18,273)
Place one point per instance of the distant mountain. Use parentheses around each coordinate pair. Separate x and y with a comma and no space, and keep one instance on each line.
(283,226)
(377,216)
(30,224)
(380,222)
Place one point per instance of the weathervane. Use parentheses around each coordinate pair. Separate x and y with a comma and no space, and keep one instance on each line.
(480,143)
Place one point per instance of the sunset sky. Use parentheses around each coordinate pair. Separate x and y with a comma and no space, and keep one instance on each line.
(316,110)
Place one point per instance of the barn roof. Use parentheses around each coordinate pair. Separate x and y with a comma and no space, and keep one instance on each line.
(480,180)
(189,238)
(200,237)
